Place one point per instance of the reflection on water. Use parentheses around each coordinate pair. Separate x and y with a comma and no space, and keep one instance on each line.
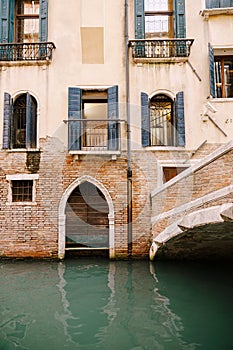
(97,304)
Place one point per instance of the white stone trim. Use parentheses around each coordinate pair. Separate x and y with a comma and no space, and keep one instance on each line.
(62,216)
(21,177)
(173,163)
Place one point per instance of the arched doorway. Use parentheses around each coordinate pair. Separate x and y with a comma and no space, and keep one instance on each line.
(88,203)
(87,218)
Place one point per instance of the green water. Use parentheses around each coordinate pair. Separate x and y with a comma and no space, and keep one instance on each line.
(97,304)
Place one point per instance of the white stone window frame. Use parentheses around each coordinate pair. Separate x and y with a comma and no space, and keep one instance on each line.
(176,163)
(21,177)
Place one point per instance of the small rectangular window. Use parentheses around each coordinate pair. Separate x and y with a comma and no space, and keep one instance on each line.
(22,190)
(170,172)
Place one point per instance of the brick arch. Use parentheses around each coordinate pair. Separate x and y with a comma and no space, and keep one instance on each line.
(198,218)
(62,216)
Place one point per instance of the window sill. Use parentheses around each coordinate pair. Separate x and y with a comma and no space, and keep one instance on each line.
(40,63)
(165,148)
(216,12)
(95,152)
(160,60)
(23,150)
(221,100)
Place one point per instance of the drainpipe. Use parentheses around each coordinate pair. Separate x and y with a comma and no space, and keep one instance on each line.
(129,166)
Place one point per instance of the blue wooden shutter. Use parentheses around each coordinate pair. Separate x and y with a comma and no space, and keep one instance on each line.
(43,36)
(145,119)
(179,119)
(180,24)
(113,113)
(211,69)
(28,120)
(11,21)
(74,112)
(7,121)
(31,121)
(6,24)
(139,19)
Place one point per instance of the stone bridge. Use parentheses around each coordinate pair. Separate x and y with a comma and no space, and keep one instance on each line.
(192,214)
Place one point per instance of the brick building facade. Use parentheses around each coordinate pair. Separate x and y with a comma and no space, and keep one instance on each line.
(102,103)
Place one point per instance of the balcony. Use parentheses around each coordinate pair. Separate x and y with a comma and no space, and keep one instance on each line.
(160,50)
(94,136)
(26,51)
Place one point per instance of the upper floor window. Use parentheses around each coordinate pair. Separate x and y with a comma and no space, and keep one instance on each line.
(218,3)
(159,19)
(93,119)
(163,120)
(23,21)
(221,74)
(27,21)
(20,122)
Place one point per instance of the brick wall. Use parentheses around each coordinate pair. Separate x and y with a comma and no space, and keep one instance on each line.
(32,230)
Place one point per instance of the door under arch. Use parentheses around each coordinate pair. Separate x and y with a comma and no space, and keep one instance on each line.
(87,224)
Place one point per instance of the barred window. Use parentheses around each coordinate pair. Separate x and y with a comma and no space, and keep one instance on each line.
(22,190)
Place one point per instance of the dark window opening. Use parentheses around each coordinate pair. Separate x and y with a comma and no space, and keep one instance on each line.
(22,190)
(170,172)
(23,114)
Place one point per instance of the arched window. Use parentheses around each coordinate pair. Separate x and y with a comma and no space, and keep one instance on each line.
(20,122)
(161,121)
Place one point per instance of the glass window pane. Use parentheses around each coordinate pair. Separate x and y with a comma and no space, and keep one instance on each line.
(28,30)
(156,5)
(28,7)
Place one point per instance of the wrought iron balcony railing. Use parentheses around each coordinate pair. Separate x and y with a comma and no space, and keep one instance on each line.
(26,51)
(160,48)
(93,135)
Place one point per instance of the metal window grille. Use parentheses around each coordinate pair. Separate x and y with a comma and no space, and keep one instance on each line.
(22,190)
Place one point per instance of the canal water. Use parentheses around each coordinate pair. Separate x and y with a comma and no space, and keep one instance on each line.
(121,305)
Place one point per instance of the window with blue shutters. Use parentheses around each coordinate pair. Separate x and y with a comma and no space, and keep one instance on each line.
(156,18)
(93,119)
(20,122)
(210,4)
(23,21)
(163,120)
(221,74)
